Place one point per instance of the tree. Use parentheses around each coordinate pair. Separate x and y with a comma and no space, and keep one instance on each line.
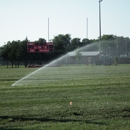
(75,43)
(41,40)
(108,37)
(22,53)
(78,55)
(5,52)
(116,60)
(62,42)
(16,51)
(85,41)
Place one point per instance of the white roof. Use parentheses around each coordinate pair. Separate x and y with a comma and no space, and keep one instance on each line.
(89,53)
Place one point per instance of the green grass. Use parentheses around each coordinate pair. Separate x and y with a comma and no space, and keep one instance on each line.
(100,96)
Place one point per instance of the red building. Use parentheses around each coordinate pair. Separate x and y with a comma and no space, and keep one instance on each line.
(36,47)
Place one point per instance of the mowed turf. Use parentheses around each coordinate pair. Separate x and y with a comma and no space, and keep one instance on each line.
(100,97)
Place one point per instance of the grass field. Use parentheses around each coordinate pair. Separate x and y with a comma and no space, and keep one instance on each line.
(100,97)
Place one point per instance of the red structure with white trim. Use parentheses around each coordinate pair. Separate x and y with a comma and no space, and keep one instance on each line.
(36,47)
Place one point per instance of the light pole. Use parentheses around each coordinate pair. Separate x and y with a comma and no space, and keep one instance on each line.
(100,25)
(48,29)
(87,28)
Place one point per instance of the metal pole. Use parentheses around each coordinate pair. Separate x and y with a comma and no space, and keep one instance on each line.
(100,25)
(87,28)
(48,29)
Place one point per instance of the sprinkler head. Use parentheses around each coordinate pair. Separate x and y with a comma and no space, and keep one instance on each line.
(70,103)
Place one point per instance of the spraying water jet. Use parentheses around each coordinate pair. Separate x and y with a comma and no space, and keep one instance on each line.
(51,71)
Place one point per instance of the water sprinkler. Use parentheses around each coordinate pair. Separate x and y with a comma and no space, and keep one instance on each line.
(70,103)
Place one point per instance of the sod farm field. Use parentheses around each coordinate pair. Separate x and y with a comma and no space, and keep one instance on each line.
(84,98)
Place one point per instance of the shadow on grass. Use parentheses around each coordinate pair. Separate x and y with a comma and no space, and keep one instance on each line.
(2,128)
(22,119)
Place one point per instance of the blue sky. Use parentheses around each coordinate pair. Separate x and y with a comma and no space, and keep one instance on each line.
(21,18)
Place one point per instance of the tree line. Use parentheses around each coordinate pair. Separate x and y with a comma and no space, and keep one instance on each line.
(15,52)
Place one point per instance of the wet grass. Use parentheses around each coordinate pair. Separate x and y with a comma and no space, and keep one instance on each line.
(100,100)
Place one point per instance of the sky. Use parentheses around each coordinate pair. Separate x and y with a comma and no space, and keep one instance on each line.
(29,18)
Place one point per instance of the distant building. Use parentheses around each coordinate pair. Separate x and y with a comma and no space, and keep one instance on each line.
(89,57)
